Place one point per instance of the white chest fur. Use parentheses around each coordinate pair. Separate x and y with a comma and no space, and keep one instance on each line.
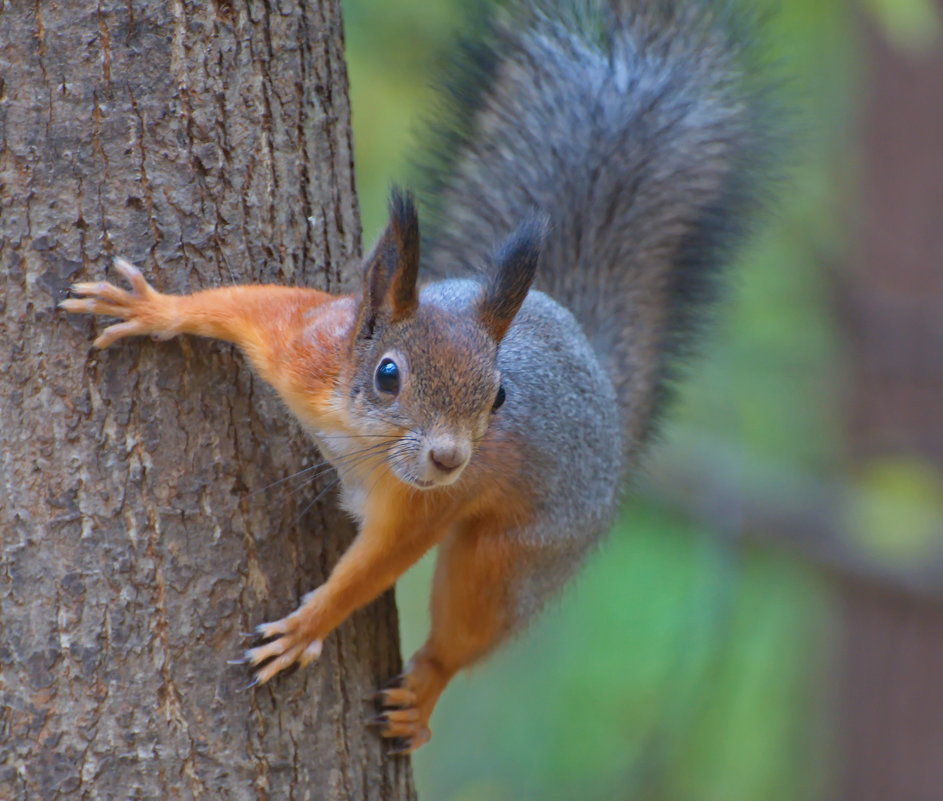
(342,453)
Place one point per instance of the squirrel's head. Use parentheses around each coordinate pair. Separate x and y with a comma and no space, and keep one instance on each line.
(425,381)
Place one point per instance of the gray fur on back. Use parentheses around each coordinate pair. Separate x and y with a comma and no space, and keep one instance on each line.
(632,126)
(635,130)
(562,406)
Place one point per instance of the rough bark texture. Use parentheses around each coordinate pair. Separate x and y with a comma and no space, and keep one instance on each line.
(194,139)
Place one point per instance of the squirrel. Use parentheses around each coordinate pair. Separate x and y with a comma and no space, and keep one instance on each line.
(599,163)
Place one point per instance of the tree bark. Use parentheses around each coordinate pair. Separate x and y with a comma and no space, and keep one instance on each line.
(889,666)
(137,541)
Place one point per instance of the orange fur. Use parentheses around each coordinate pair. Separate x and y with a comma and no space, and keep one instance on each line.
(293,337)
(299,340)
(467,623)
(400,525)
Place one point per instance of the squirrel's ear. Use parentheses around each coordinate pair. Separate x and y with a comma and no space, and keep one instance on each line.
(516,265)
(391,269)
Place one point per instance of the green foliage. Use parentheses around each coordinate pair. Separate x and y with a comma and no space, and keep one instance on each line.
(393,50)
(897,509)
(910,24)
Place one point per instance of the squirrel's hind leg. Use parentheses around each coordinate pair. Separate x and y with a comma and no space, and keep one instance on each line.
(474,596)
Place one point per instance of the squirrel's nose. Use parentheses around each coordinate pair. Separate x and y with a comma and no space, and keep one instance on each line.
(448,457)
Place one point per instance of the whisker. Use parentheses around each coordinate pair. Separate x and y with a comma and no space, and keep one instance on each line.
(330,485)
(288,478)
(313,472)
(402,455)
(343,465)
(317,497)
(352,460)
(380,458)
(357,436)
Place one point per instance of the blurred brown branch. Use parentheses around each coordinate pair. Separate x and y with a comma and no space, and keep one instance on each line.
(747,499)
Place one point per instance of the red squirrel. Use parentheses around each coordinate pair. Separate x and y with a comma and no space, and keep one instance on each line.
(609,159)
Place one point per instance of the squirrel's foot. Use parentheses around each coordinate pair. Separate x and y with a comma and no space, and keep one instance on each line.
(406,705)
(144,309)
(295,639)
(401,719)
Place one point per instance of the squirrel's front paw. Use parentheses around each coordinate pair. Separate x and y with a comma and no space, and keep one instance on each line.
(144,309)
(297,639)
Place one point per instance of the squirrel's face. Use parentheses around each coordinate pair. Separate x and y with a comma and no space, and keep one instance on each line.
(425,382)
(424,393)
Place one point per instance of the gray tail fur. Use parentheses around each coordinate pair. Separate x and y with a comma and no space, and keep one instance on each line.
(639,128)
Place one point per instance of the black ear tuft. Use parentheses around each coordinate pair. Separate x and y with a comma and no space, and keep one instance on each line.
(404,221)
(391,269)
(516,265)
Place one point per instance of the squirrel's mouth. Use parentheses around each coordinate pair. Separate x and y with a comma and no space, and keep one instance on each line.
(429,484)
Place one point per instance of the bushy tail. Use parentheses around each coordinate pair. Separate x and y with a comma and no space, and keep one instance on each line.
(640,129)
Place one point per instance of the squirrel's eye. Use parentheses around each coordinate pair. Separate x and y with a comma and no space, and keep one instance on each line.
(499,399)
(387,377)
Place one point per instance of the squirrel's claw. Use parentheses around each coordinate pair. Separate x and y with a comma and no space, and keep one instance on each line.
(395,697)
(400,718)
(132,275)
(291,642)
(118,331)
(402,746)
(143,309)
(396,723)
(91,305)
(280,663)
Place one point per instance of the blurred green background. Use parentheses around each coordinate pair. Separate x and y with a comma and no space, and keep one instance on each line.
(680,664)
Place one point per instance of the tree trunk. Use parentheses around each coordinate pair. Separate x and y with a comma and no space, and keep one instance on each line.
(890,649)
(137,541)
